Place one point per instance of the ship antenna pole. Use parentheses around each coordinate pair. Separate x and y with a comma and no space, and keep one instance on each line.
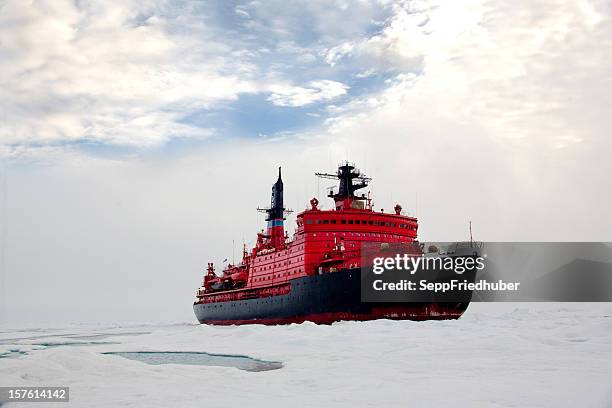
(471,240)
(233,259)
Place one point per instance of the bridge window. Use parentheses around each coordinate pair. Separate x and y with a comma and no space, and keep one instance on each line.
(343,221)
(350,221)
(333,221)
(308,221)
(325,221)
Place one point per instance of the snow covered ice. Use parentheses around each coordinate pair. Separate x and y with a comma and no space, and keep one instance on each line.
(508,355)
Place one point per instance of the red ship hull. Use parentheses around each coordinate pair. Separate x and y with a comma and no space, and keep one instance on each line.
(329,318)
(397,313)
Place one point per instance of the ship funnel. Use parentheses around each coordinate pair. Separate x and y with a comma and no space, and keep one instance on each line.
(276,214)
(276,203)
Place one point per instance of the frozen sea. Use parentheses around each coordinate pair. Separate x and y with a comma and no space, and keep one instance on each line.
(496,355)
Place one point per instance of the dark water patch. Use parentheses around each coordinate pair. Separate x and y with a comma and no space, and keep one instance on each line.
(245,363)
(75,336)
(88,337)
(13,340)
(104,335)
(14,353)
(74,343)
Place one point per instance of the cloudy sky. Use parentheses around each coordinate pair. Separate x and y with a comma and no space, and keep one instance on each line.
(137,138)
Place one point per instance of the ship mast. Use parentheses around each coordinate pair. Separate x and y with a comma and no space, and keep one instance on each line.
(351,180)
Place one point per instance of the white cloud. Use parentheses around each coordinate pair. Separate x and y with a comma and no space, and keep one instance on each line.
(126,74)
(239,11)
(529,74)
(105,72)
(507,120)
(317,91)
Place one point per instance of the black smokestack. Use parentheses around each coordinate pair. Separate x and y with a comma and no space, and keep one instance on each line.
(276,204)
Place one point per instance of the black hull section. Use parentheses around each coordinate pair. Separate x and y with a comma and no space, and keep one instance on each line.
(322,299)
